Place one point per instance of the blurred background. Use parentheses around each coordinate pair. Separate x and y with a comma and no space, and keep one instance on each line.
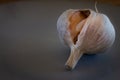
(115,2)
(31,50)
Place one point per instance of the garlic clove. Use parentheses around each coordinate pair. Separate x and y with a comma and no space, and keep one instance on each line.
(84,31)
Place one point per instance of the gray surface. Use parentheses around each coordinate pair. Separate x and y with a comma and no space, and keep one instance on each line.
(30,48)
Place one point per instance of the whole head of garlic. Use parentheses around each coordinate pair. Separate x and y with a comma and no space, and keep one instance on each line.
(84,31)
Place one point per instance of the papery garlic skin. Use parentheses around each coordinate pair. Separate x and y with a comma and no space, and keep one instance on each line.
(92,33)
(62,27)
(99,34)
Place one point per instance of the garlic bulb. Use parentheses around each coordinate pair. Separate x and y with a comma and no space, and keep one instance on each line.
(84,31)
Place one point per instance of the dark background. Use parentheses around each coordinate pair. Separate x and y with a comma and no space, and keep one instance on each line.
(31,50)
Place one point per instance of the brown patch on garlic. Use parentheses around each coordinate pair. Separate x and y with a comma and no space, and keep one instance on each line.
(75,19)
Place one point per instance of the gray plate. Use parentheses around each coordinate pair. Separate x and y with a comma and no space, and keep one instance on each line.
(31,50)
